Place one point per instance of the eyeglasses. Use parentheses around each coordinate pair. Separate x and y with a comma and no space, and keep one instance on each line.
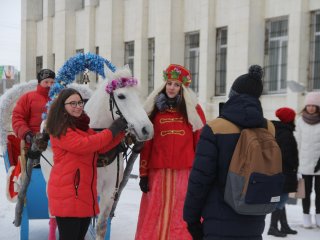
(74,104)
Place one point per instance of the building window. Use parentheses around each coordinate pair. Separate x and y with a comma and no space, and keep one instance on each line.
(191,58)
(314,63)
(275,53)
(221,62)
(39,64)
(53,62)
(150,65)
(129,55)
(80,75)
(97,75)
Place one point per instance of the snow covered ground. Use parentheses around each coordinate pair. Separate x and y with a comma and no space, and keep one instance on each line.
(125,221)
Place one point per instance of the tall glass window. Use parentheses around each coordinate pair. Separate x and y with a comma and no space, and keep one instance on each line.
(191,58)
(129,55)
(150,65)
(275,52)
(39,64)
(221,61)
(314,62)
(79,77)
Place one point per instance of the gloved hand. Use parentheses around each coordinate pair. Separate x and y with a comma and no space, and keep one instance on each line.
(137,147)
(117,126)
(162,102)
(28,137)
(317,167)
(144,185)
(195,229)
(41,140)
(33,154)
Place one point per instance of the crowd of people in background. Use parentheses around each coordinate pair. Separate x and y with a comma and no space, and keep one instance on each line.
(183,169)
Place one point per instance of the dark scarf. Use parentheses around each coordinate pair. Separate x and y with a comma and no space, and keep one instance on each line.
(310,118)
(81,122)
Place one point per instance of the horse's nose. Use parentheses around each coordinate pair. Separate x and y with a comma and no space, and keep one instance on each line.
(144,131)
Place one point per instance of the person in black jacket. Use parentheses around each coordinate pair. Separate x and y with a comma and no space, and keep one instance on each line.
(289,150)
(208,216)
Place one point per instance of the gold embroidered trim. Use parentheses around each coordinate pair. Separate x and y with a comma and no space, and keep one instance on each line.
(177,132)
(144,164)
(168,120)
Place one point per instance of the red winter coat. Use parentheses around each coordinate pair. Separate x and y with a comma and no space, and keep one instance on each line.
(173,145)
(72,187)
(26,115)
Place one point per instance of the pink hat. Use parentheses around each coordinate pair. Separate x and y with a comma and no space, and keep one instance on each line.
(313,98)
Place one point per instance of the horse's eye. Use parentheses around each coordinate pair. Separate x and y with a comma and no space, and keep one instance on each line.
(121,96)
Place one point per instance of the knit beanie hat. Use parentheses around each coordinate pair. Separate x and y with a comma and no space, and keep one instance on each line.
(45,73)
(249,83)
(313,98)
(286,115)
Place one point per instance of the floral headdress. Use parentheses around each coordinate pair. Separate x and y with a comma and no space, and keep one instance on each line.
(120,83)
(177,72)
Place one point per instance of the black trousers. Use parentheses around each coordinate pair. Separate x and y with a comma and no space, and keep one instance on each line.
(71,228)
(308,181)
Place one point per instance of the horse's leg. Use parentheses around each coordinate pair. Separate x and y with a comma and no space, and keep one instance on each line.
(107,178)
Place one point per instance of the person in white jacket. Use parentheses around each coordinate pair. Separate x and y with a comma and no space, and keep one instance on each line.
(308,139)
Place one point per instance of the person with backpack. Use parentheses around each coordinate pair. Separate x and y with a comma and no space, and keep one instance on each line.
(290,162)
(206,211)
(308,139)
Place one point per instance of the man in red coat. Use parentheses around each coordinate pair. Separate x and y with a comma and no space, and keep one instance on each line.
(27,116)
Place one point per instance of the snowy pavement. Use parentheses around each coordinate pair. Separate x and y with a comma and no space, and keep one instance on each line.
(126,215)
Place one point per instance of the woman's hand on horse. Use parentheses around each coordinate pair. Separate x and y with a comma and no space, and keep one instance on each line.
(118,126)
(144,184)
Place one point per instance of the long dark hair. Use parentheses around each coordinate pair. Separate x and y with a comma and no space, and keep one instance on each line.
(58,118)
(181,105)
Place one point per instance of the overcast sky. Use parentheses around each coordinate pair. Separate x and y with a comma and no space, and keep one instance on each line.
(10,32)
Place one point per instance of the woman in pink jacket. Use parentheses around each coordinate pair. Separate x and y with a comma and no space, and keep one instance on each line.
(72,187)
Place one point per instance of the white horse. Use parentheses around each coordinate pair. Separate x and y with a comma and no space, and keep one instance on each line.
(128,104)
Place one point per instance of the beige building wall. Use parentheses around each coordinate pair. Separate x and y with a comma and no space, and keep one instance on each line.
(55,29)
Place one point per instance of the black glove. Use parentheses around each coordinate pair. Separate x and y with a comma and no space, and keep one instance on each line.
(195,229)
(317,167)
(41,140)
(28,137)
(117,126)
(137,147)
(33,154)
(162,102)
(144,185)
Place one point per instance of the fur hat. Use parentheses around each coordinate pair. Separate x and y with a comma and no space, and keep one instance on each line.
(44,74)
(286,115)
(313,98)
(249,83)
(177,72)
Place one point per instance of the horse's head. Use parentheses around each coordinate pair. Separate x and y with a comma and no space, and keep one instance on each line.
(121,90)
(128,103)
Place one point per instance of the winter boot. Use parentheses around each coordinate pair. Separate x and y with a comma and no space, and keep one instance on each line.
(273,230)
(307,223)
(284,223)
(318,220)
(52,229)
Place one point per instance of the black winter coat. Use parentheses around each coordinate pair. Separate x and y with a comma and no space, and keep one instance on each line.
(289,151)
(205,194)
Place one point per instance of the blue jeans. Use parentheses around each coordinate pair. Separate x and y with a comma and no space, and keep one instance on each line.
(283,199)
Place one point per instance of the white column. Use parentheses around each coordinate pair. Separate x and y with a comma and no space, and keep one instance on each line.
(47,35)
(141,46)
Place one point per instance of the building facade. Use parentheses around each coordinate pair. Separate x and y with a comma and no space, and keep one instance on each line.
(216,39)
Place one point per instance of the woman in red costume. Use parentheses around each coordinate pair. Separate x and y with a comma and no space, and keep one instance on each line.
(166,160)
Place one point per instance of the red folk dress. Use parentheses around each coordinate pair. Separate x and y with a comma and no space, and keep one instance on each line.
(167,160)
